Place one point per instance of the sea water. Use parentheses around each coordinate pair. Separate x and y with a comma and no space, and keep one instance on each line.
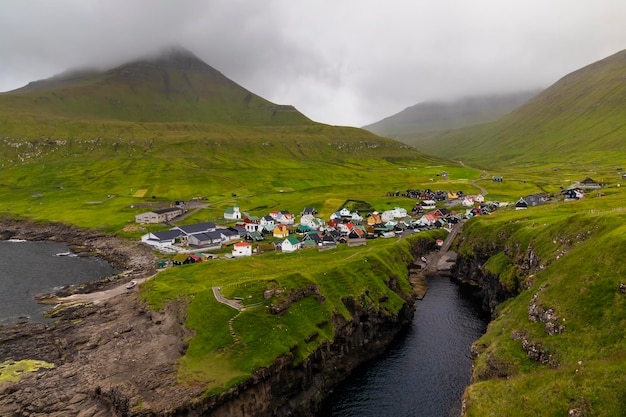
(28,269)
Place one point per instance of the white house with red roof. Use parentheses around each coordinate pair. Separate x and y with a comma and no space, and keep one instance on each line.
(241,249)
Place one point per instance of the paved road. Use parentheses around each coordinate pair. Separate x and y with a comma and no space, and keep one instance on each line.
(440,259)
(232,303)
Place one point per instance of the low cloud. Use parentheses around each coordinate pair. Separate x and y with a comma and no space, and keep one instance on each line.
(351,62)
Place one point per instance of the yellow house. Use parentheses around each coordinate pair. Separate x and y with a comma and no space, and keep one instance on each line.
(281,231)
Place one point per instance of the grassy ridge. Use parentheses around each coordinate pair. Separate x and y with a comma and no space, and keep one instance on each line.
(580,246)
(93,182)
(578,119)
(217,359)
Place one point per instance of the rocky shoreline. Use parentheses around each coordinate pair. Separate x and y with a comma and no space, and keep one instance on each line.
(119,358)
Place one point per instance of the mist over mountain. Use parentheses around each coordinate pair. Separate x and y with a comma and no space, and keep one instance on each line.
(580,117)
(171,86)
(433,116)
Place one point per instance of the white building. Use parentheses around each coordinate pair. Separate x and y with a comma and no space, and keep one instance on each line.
(232,213)
(241,249)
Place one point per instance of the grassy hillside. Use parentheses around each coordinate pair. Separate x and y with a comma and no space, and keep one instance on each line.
(78,147)
(95,182)
(425,118)
(579,247)
(581,119)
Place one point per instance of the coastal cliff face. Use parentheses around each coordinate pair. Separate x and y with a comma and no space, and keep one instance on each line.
(496,284)
(470,272)
(286,389)
(118,358)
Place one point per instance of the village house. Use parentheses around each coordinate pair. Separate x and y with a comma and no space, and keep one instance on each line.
(267,222)
(521,204)
(254,236)
(161,239)
(468,201)
(284,217)
(207,239)
(290,244)
(573,194)
(232,213)
(536,199)
(428,219)
(252,227)
(159,216)
(428,204)
(281,231)
(311,221)
(356,217)
(589,184)
(241,249)
(311,240)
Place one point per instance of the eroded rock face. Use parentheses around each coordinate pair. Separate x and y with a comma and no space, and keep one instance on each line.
(470,272)
(538,313)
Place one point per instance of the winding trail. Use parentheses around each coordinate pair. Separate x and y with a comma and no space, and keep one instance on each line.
(231,303)
(484,175)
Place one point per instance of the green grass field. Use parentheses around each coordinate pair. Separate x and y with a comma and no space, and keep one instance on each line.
(216,359)
(579,244)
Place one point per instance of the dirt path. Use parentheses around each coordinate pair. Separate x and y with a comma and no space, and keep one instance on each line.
(231,303)
(98,296)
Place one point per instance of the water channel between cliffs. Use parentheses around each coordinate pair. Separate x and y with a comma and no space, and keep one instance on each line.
(425,371)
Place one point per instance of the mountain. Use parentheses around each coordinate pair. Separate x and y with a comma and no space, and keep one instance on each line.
(433,116)
(173,86)
(580,118)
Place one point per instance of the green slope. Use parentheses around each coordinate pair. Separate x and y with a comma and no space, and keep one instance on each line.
(576,248)
(77,147)
(581,118)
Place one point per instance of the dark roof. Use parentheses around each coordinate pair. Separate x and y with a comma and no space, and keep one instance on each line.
(167,210)
(241,231)
(228,232)
(207,237)
(588,181)
(167,234)
(191,229)
(312,236)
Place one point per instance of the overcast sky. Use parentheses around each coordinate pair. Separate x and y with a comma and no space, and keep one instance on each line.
(344,62)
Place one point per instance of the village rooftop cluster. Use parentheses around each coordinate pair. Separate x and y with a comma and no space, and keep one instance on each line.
(279,230)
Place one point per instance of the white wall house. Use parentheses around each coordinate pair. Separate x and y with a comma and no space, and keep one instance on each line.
(291,244)
(241,249)
(232,213)
(429,205)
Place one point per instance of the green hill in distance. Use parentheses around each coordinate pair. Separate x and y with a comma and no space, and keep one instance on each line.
(426,118)
(579,119)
